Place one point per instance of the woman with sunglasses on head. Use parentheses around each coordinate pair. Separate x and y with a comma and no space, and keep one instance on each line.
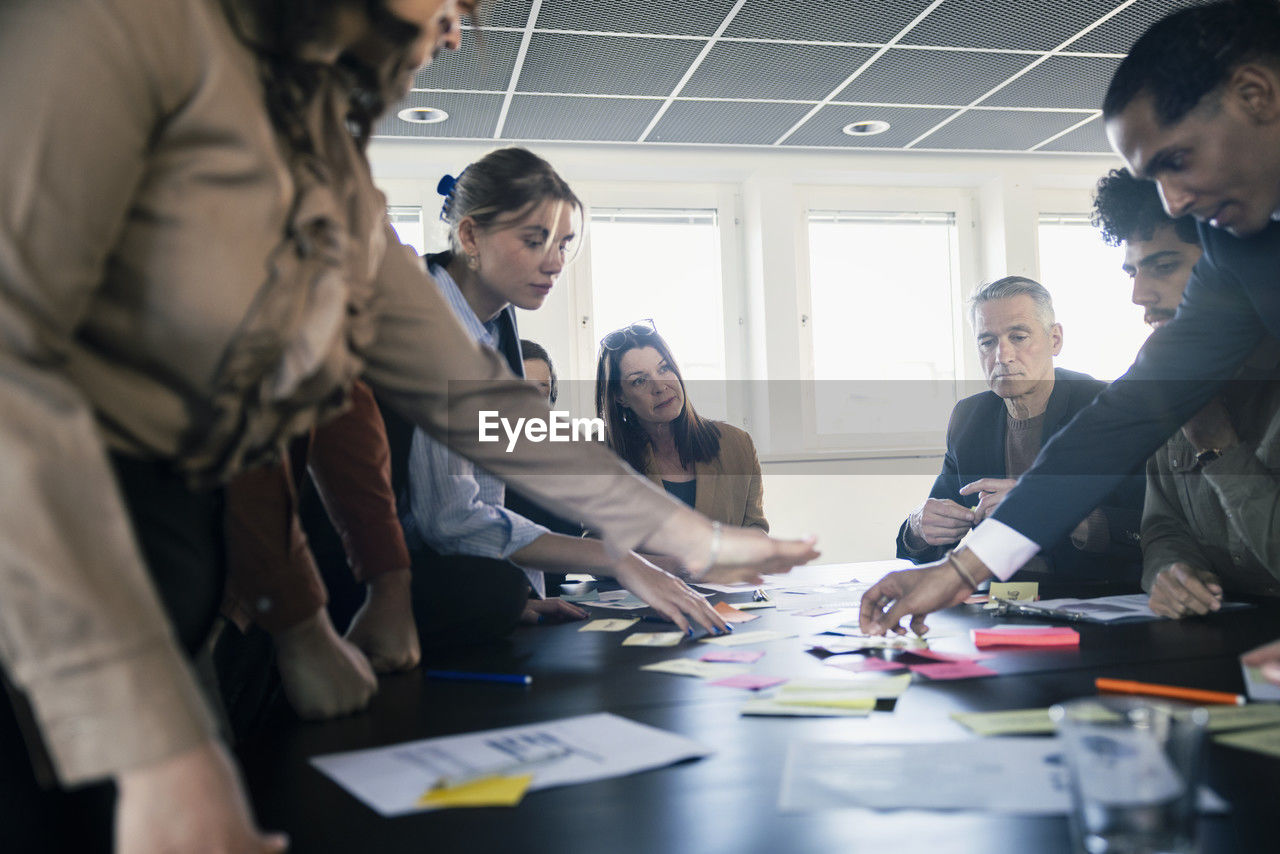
(651,423)
(513,224)
(182,290)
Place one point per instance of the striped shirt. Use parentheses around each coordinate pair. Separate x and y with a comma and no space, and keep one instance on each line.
(455,507)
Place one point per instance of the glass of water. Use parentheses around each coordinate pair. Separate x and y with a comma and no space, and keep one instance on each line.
(1135,773)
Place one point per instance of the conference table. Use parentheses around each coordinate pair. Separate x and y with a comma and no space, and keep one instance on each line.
(729,801)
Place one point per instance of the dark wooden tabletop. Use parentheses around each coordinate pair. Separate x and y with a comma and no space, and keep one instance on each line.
(728,802)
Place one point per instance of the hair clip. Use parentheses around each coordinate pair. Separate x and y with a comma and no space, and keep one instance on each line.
(447,187)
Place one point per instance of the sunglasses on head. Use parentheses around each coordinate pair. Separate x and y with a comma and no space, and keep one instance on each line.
(616,339)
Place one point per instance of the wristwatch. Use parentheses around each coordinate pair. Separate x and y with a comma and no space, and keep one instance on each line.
(1203,458)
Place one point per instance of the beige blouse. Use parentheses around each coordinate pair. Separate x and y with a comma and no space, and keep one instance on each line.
(730,487)
(174,284)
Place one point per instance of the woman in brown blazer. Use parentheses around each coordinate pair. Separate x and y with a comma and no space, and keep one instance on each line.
(650,423)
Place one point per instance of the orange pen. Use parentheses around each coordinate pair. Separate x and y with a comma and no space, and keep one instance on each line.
(1173,692)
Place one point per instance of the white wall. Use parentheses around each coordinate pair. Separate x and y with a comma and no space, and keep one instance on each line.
(853,501)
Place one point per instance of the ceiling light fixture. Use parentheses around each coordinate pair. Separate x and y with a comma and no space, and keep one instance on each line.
(870,127)
(423,115)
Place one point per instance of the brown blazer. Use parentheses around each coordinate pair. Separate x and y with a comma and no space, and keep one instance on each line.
(730,489)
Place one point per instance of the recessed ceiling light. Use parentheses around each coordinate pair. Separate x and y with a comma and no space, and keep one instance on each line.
(423,115)
(870,127)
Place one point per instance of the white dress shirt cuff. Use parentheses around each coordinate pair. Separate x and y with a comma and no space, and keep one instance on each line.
(1002,549)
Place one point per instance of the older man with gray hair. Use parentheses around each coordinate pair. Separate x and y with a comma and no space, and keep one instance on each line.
(994,436)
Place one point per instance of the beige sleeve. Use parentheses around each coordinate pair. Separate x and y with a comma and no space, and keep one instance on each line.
(754,517)
(81,630)
(424,364)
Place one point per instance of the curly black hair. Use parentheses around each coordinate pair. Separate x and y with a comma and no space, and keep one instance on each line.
(1125,207)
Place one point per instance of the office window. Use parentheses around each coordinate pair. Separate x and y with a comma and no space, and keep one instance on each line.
(882,297)
(1102,329)
(407,222)
(664,264)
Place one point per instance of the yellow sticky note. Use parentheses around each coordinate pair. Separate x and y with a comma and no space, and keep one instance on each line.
(619,625)
(821,702)
(653,639)
(1020,591)
(485,792)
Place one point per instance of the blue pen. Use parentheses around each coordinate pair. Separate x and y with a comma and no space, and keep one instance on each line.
(465,676)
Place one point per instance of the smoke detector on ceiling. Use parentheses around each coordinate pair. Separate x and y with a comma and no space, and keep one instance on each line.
(870,127)
(423,115)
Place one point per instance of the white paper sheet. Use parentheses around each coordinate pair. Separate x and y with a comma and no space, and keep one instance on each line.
(1008,775)
(1257,687)
(563,752)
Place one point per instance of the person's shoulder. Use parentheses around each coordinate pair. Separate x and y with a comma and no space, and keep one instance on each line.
(974,405)
(1226,252)
(735,435)
(1078,379)
(733,438)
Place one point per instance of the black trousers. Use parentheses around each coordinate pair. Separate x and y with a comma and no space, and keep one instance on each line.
(458,600)
(181,535)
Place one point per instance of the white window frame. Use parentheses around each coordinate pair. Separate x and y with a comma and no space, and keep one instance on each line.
(725,200)
(957,201)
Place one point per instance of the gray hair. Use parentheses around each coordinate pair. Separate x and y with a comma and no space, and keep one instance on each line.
(1013,286)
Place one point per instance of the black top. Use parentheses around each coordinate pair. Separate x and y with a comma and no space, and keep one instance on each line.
(686,491)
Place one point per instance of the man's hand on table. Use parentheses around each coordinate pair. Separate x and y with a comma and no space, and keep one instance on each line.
(917,592)
(323,675)
(1181,590)
(384,628)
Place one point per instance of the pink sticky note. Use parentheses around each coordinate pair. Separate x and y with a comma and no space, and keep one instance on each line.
(743,656)
(935,655)
(731,614)
(858,664)
(952,670)
(1049,637)
(750,681)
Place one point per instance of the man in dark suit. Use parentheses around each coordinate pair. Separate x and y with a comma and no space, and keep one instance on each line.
(1195,107)
(994,436)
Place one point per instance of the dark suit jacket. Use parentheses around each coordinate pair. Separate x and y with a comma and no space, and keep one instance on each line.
(976,449)
(1231,302)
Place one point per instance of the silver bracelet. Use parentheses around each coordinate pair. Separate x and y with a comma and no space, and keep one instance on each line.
(714,556)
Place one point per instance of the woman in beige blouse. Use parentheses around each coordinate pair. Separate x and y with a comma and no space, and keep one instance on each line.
(651,423)
(194,265)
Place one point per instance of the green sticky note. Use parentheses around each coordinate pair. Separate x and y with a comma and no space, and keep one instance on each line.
(1223,718)
(1010,722)
(1265,741)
